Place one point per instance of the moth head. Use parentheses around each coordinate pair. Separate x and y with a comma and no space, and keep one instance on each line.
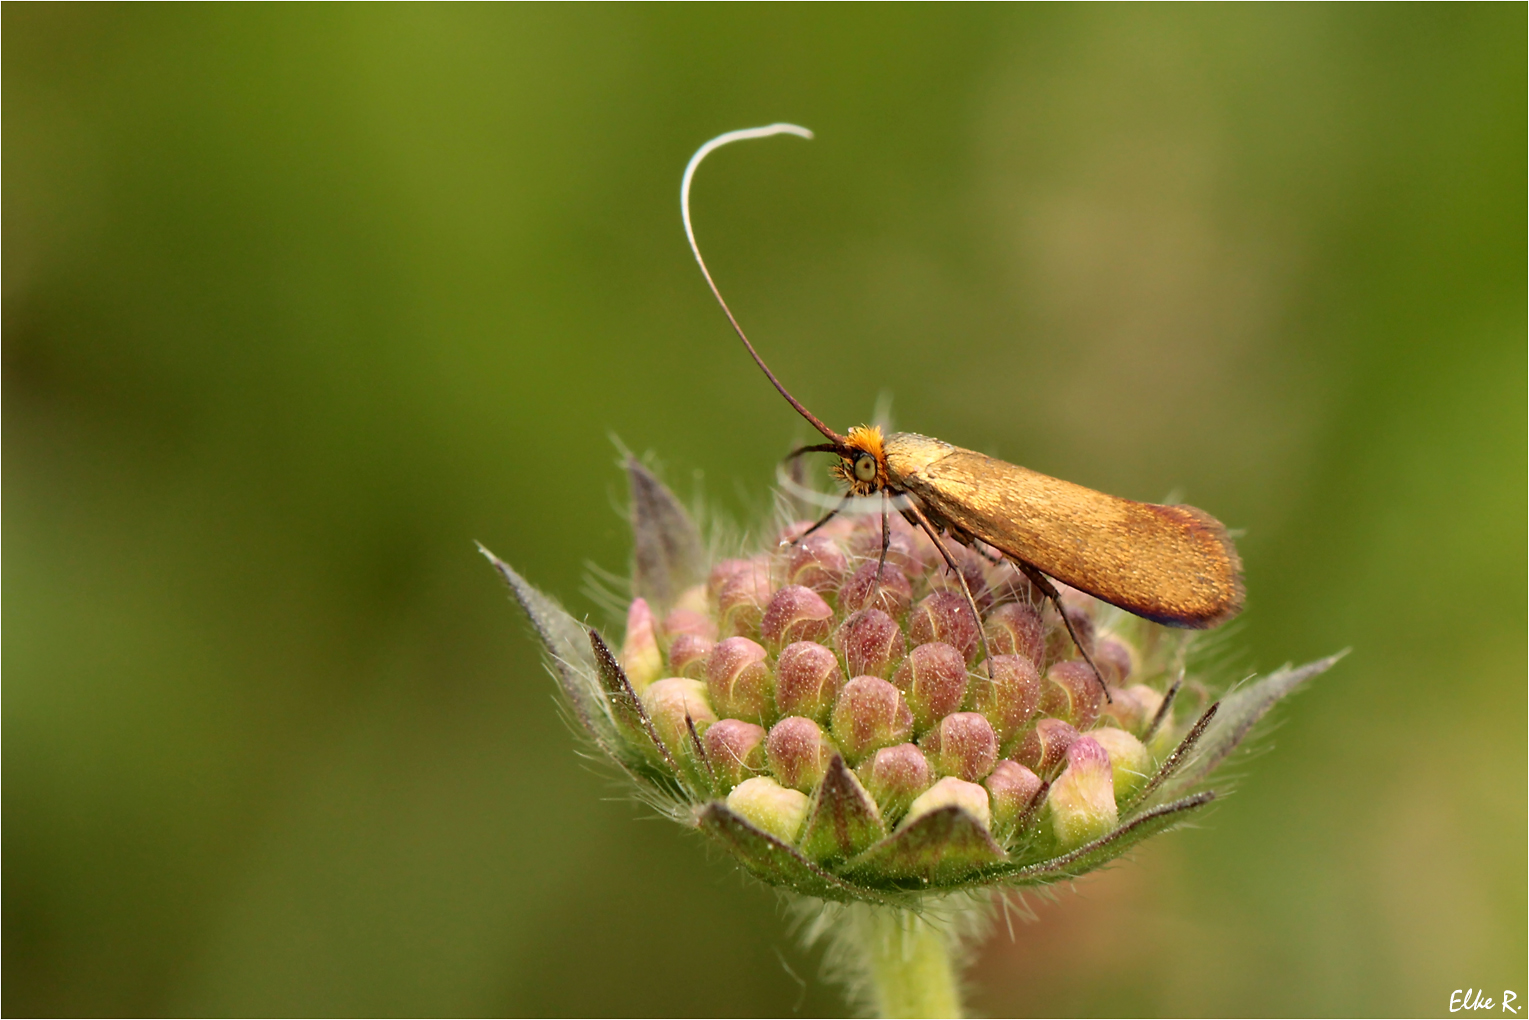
(863,462)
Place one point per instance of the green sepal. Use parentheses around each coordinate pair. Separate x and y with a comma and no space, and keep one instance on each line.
(772,861)
(937,848)
(844,818)
(1106,848)
(667,550)
(626,707)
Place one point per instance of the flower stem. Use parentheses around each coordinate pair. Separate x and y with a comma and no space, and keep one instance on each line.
(909,961)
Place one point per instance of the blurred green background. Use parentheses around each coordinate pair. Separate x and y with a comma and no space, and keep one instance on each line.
(301,300)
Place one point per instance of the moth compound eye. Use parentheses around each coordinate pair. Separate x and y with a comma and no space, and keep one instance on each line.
(865,468)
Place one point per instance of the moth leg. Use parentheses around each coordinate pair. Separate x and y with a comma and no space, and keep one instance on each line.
(821,521)
(886,540)
(1048,589)
(950,562)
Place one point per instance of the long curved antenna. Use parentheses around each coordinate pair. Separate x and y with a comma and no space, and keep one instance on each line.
(695,161)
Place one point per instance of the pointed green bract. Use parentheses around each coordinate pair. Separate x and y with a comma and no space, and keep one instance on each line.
(943,846)
(844,819)
(666,554)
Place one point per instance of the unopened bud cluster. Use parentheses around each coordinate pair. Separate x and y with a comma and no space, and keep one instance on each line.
(822,651)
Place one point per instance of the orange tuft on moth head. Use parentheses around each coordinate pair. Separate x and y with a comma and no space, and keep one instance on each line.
(864,464)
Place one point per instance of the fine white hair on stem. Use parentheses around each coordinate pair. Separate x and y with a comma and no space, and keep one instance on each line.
(705,150)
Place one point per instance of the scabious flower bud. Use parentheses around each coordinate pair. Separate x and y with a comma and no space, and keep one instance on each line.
(962,745)
(1016,628)
(739,681)
(933,680)
(945,616)
(668,702)
(943,579)
(688,654)
(870,714)
(735,750)
(902,550)
(894,776)
(949,792)
(798,752)
(1007,690)
(1072,692)
(860,591)
(1059,644)
(807,680)
(691,614)
(742,599)
(818,563)
(796,613)
(1082,800)
(770,806)
(1115,659)
(1044,747)
(640,657)
(871,643)
(1011,788)
(1150,699)
(1129,759)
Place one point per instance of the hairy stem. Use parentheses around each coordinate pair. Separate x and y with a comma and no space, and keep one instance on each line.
(895,962)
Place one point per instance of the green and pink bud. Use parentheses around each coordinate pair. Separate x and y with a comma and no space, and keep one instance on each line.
(1006,689)
(870,714)
(688,654)
(641,659)
(669,702)
(1043,747)
(894,776)
(1115,660)
(1072,692)
(945,616)
(1082,799)
(739,680)
(933,681)
(742,599)
(871,643)
(807,680)
(1016,629)
(796,613)
(818,563)
(736,752)
(1130,761)
(798,752)
(1012,790)
(962,745)
(860,591)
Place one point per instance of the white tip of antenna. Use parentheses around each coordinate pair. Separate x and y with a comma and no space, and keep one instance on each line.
(742,134)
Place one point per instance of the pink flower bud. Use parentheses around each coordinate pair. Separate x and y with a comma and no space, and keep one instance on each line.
(1082,799)
(1130,762)
(860,592)
(1059,644)
(1007,691)
(796,614)
(739,681)
(943,579)
(1044,747)
(962,745)
(742,600)
(722,573)
(902,551)
(1015,628)
(818,563)
(1072,692)
(798,753)
(870,714)
(1012,788)
(945,616)
(668,701)
(1114,659)
(870,642)
(640,658)
(735,750)
(933,680)
(684,621)
(894,776)
(688,654)
(807,680)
